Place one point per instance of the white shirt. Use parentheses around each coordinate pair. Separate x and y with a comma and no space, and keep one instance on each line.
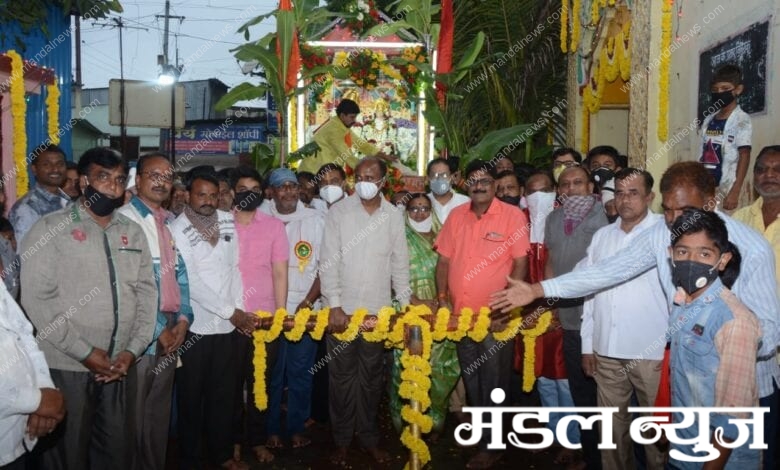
(364,257)
(23,372)
(215,282)
(737,132)
(628,321)
(443,210)
(319,205)
(303,225)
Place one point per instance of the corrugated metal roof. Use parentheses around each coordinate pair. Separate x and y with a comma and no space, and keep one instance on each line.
(52,51)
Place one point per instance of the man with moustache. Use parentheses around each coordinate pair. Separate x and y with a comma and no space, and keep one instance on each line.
(619,325)
(491,236)
(155,369)
(763,215)
(304,227)
(70,184)
(208,377)
(46,196)
(508,188)
(683,185)
(93,322)
(336,141)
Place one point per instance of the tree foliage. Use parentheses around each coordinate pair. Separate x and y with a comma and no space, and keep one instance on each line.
(519,77)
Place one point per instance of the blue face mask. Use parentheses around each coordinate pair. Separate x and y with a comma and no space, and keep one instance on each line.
(440,186)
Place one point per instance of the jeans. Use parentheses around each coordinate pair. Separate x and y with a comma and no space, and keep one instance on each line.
(293,367)
(556,393)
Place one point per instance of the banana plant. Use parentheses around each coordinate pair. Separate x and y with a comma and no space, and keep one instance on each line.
(304,20)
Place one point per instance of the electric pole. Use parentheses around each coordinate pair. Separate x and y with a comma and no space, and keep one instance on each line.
(174,70)
(118,23)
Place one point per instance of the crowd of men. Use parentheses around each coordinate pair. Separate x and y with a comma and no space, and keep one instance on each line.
(142,294)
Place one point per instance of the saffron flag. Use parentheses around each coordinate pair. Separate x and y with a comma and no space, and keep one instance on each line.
(287,47)
(444,58)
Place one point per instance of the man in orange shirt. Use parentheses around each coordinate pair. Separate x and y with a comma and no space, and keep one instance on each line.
(481,244)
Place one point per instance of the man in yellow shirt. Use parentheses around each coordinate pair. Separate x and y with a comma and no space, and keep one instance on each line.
(336,141)
(763,215)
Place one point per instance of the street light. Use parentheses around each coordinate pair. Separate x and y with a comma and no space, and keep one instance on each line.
(169,76)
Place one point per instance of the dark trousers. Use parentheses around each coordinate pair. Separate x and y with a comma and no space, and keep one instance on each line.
(770,427)
(583,392)
(485,366)
(249,423)
(99,429)
(293,367)
(319,387)
(155,374)
(206,389)
(355,377)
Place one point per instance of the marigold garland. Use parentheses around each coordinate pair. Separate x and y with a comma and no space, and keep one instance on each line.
(18,113)
(416,385)
(512,329)
(575,25)
(299,325)
(529,346)
(663,70)
(417,446)
(322,323)
(464,324)
(382,326)
(564,25)
(481,325)
(609,62)
(53,112)
(259,362)
(353,329)
(416,371)
(440,332)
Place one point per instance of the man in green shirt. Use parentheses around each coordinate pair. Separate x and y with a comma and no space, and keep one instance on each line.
(337,141)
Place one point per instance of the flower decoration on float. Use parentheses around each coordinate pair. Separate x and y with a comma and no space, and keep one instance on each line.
(364,68)
(363,16)
(410,69)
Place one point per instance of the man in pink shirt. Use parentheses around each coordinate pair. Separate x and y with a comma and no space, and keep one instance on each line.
(479,246)
(263,254)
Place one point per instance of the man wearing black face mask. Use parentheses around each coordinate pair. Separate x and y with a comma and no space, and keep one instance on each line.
(726,137)
(263,251)
(95,322)
(508,188)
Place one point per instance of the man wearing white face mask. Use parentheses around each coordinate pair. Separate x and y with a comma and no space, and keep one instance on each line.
(331,179)
(364,259)
(443,197)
